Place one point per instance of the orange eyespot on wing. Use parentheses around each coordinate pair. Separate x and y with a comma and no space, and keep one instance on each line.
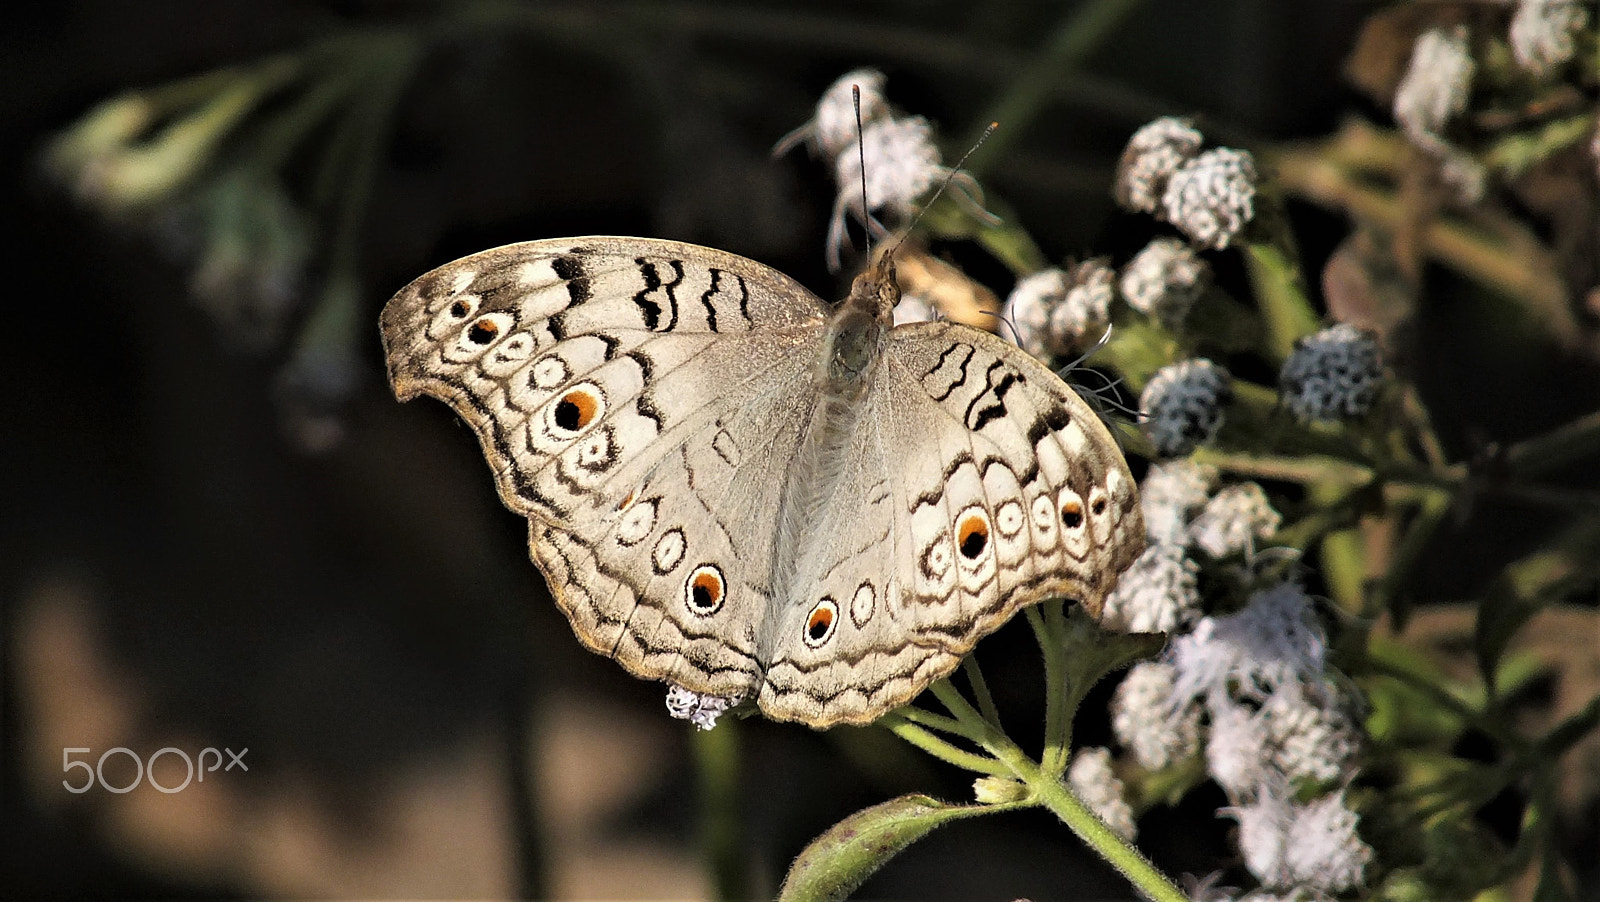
(1071,513)
(705,590)
(577,409)
(972,535)
(483,331)
(820,623)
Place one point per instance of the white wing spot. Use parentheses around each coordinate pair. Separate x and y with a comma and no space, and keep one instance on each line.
(637,522)
(1009,519)
(861,604)
(668,551)
(549,371)
(537,273)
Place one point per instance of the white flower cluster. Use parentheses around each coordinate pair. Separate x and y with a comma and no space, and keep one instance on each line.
(1433,93)
(1053,309)
(1182,405)
(1234,520)
(1160,592)
(1332,375)
(900,158)
(1250,691)
(1210,196)
(697,708)
(1164,280)
(1544,32)
(1276,720)
(1091,779)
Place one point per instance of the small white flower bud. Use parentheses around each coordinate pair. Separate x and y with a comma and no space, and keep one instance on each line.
(1164,280)
(1169,492)
(1310,734)
(1234,520)
(1212,196)
(1053,309)
(998,790)
(832,128)
(1092,780)
(1334,374)
(1543,33)
(1437,82)
(697,708)
(1158,593)
(1182,404)
(1153,154)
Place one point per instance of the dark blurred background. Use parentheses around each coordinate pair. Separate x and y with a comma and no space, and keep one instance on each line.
(181,567)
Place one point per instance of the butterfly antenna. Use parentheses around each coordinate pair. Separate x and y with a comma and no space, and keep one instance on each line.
(1005,320)
(945,183)
(861,151)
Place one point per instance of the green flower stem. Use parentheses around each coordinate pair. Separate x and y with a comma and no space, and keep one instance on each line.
(1079,35)
(716,757)
(940,749)
(1057,725)
(1280,290)
(1563,445)
(1343,559)
(980,689)
(1054,795)
(924,718)
(1517,153)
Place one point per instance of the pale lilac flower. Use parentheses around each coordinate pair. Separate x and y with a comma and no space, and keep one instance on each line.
(832,128)
(1234,520)
(1212,197)
(1092,780)
(1164,280)
(697,708)
(1144,721)
(1314,845)
(1030,307)
(1334,374)
(1274,640)
(1169,492)
(1236,746)
(1544,32)
(1182,405)
(1153,154)
(1158,593)
(1311,735)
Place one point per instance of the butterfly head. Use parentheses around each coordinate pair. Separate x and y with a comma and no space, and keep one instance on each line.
(876,290)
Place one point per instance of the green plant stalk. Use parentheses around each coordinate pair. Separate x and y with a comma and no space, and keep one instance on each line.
(1079,35)
(1050,792)
(716,758)
(980,689)
(1281,292)
(1343,559)
(938,748)
(1057,727)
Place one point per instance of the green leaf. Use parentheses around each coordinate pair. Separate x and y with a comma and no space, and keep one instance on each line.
(840,860)
(1092,652)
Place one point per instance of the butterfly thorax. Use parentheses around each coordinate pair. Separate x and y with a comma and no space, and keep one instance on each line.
(856,332)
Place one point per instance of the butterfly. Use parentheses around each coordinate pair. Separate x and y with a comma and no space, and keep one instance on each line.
(737,488)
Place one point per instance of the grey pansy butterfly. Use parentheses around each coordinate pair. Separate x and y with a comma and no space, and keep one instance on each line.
(733,488)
